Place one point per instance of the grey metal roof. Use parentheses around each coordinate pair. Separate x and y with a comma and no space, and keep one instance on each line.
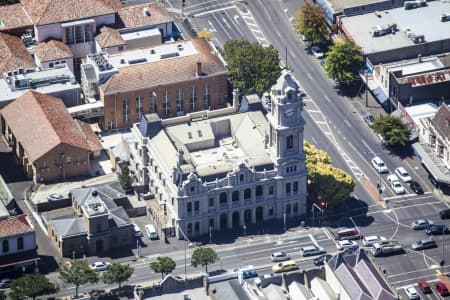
(229,290)
(68,226)
(107,192)
(118,217)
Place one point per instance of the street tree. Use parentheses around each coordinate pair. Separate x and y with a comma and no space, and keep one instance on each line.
(392,129)
(31,286)
(125,179)
(117,273)
(3,295)
(333,184)
(164,265)
(203,256)
(78,274)
(252,67)
(344,60)
(310,22)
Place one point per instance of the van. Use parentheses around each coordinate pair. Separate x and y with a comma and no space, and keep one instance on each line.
(311,250)
(348,234)
(151,232)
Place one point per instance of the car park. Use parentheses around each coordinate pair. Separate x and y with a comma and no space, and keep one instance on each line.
(412,293)
(285,266)
(424,244)
(441,288)
(319,261)
(379,165)
(317,52)
(445,214)
(403,174)
(415,186)
(368,241)
(279,256)
(99,266)
(311,250)
(424,287)
(437,230)
(421,224)
(5,283)
(346,244)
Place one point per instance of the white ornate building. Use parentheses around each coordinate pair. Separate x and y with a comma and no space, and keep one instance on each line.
(223,169)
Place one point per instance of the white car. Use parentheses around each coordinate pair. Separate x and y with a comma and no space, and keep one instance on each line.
(368,241)
(379,165)
(279,256)
(137,231)
(404,176)
(100,266)
(346,244)
(397,187)
(317,52)
(412,293)
(421,224)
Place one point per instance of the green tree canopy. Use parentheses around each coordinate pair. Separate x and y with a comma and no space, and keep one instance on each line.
(203,256)
(392,129)
(163,264)
(31,286)
(117,273)
(78,274)
(252,67)
(344,60)
(310,22)
(125,179)
(2,295)
(333,184)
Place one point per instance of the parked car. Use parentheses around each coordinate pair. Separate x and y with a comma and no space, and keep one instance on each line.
(285,266)
(312,250)
(403,174)
(445,214)
(279,256)
(424,287)
(441,288)
(383,141)
(346,244)
(137,231)
(437,230)
(5,283)
(368,119)
(368,241)
(415,186)
(322,259)
(99,266)
(55,197)
(421,224)
(317,52)
(424,244)
(412,293)
(379,165)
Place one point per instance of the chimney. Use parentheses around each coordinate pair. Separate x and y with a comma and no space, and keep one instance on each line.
(198,69)
(419,57)
(236,96)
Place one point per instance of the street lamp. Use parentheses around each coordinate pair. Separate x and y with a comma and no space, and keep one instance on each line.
(314,205)
(73,255)
(245,230)
(187,243)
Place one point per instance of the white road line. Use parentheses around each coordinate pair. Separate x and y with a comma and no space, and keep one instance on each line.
(226,23)
(213,29)
(213,11)
(327,98)
(313,240)
(348,124)
(321,122)
(265,10)
(292,53)
(224,30)
(410,196)
(314,140)
(413,279)
(205,2)
(367,146)
(309,75)
(313,111)
(291,18)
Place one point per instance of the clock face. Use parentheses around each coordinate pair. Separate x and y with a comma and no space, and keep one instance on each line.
(289,113)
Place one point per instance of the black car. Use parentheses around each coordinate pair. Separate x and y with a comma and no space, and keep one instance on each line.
(437,230)
(5,283)
(445,214)
(322,259)
(415,186)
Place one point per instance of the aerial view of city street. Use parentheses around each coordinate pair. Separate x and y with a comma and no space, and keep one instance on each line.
(235,149)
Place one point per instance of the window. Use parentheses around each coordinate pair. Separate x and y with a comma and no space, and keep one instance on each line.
(259,190)
(247,193)
(99,227)
(69,36)
(50,65)
(166,103)
(211,223)
(196,205)
(206,96)
(88,36)
(189,228)
(197,227)
(288,209)
(211,202)
(235,196)
(180,100)
(288,188)
(270,211)
(241,177)
(5,246)
(290,142)
(223,197)
(78,35)
(189,207)
(139,106)
(152,103)
(295,187)
(193,98)
(295,207)
(125,110)
(20,243)
(271,190)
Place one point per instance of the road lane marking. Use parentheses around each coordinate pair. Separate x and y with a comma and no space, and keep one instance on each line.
(327,98)
(213,11)
(423,196)
(226,23)
(314,140)
(367,146)
(348,124)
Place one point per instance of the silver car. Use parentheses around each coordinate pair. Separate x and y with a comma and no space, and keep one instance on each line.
(421,224)
(279,256)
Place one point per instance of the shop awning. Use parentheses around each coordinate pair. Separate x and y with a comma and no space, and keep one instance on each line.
(380,95)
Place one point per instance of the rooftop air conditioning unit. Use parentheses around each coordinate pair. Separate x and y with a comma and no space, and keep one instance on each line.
(445,17)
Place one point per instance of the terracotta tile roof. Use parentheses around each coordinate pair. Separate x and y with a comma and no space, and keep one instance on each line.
(41,122)
(165,71)
(54,11)
(91,138)
(109,37)
(441,121)
(13,54)
(52,50)
(134,16)
(14,226)
(14,16)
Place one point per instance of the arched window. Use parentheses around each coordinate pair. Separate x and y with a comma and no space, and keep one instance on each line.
(290,142)
(247,193)
(235,196)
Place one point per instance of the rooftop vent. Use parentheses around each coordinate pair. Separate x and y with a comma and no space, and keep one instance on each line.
(122,60)
(445,17)
(414,4)
(146,12)
(415,38)
(94,193)
(152,51)
(377,13)
(381,30)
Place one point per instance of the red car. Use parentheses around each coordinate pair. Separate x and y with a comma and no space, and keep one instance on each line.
(442,289)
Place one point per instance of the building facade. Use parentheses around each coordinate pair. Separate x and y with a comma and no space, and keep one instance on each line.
(227,169)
